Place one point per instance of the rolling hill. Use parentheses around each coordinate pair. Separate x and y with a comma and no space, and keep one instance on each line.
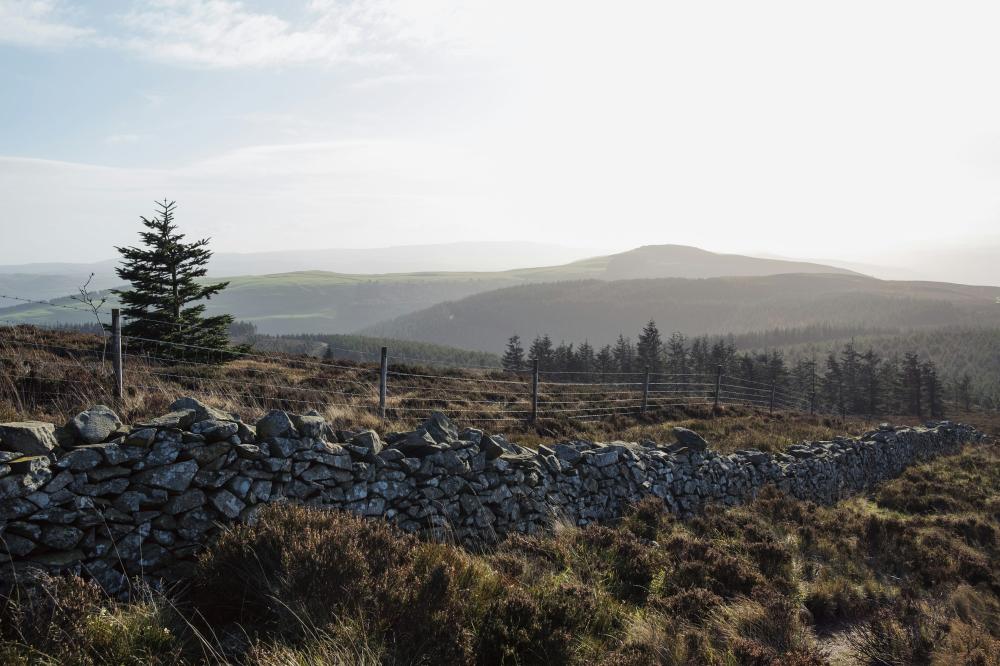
(325,302)
(600,310)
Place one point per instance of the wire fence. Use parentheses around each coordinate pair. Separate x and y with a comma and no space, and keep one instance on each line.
(390,386)
(37,368)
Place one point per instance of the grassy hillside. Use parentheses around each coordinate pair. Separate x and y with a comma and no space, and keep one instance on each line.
(325,302)
(599,310)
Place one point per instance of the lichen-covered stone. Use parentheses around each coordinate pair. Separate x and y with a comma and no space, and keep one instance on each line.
(176,477)
(31,438)
(95,425)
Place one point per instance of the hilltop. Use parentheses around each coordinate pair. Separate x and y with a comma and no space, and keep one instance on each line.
(319,301)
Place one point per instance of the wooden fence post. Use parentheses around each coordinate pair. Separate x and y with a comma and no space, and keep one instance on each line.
(534,390)
(770,407)
(383,381)
(116,351)
(645,392)
(718,385)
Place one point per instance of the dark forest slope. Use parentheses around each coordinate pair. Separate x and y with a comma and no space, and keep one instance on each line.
(600,310)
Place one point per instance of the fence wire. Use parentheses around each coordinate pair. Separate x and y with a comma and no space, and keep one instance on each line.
(33,367)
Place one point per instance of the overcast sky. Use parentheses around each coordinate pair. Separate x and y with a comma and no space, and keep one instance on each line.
(843,129)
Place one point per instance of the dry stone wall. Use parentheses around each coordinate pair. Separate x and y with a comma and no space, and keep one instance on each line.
(111,502)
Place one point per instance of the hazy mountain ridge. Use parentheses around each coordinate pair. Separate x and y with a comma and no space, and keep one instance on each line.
(325,302)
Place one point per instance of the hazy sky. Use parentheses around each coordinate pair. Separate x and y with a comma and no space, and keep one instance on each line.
(841,129)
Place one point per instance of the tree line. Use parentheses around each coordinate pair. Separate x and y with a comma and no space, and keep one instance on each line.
(846,380)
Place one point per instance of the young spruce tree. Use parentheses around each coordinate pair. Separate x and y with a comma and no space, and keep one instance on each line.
(162,305)
(513,358)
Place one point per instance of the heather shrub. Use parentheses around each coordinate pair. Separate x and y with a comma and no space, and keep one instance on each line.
(66,620)
(297,566)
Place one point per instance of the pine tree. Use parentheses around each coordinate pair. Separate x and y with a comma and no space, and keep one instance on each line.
(541,351)
(850,371)
(624,354)
(563,358)
(605,360)
(910,385)
(871,386)
(513,358)
(833,384)
(677,354)
(931,385)
(161,303)
(650,348)
(585,361)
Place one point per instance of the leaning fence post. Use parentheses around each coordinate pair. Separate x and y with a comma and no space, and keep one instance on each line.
(718,384)
(383,380)
(116,351)
(534,390)
(770,407)
(645,391)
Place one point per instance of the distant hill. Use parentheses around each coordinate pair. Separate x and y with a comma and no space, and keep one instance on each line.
(325,302)
(55,279)
(662,261)
(600,310)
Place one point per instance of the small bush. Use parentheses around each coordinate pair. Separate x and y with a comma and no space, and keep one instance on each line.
(297,567)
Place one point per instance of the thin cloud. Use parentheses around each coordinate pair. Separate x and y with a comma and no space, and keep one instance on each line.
(39,23)
(225,34)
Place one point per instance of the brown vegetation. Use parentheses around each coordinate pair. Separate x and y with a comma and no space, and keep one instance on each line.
(893,578)
(52,375)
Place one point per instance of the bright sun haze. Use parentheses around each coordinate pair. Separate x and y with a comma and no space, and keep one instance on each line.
(869,132)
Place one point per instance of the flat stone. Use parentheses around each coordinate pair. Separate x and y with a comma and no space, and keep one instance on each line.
(61,537)
(214,430)
(202,412)
(141,437)
(31,438)
(175,477)
(418,443)
(180,419)
(690,439)
(227,504)
(81,459)
(18,546)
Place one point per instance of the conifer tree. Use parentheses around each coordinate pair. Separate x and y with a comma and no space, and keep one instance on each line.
(649,349)
(833,384)
(911,385)
(931,385)
(605,360)
(541,351)
(513,358)
(585,361)
(624,354)
(677,354)
(162,305)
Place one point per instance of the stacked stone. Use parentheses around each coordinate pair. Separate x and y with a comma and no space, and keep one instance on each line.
(112,502)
